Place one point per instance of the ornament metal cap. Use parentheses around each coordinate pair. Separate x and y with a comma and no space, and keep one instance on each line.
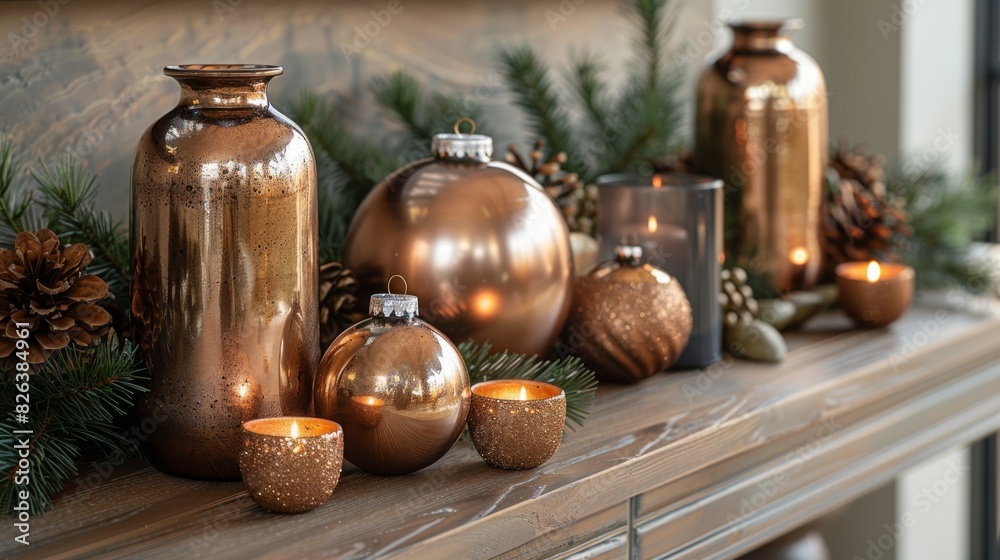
(464,147)
(629,254)
(393,306)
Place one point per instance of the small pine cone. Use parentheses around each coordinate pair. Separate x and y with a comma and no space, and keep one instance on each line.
(337,301)
(577,201)
(44,288)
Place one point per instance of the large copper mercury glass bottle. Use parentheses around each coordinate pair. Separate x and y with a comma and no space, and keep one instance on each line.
(224,240)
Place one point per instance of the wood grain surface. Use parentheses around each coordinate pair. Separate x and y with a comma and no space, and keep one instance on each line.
(705,464)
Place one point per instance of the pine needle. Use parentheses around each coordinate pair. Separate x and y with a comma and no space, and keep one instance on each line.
(623,132)
(78,398)
(947,213)
(16,198)
(348,167)
(569,374)
(68,199)
(534,92)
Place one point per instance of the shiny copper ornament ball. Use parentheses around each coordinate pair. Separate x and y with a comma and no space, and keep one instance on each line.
(291,468)
(481,243)
(397,385)
(516,424)
(629,320)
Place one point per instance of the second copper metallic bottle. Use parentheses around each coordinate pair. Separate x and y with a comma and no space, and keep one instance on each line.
(762,128)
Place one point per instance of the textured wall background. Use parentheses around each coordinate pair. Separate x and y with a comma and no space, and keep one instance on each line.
(85,76)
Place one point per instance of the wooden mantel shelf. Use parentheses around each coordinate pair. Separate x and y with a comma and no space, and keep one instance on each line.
(691,465)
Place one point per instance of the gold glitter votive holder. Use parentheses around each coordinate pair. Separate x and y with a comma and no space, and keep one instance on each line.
(291,464)
(516,424)
(874,294)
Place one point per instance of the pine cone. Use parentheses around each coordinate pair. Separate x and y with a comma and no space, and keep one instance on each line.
(738,304)
(576,200)
(864,222)
(337,302)
(42,284)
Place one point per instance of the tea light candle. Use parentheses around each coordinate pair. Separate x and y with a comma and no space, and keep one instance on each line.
(291,464)
(367,410)
(874,294)
(516,424)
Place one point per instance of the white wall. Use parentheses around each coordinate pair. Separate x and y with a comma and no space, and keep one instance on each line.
(900,77)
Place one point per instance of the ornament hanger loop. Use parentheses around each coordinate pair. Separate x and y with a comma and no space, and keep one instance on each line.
(458,125)
(388,285)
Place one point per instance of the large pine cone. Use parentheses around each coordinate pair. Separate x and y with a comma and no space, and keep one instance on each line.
(42,284)
(864,222)
(576,200)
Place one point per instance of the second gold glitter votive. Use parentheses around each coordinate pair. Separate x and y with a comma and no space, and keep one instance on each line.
(516,424)
(291,464)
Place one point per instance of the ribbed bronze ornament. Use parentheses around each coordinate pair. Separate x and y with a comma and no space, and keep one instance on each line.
(629,320)
(762,128)
(224,235)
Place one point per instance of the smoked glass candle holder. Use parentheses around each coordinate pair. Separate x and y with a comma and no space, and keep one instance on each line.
(677,220)
(516,424)
(291,464)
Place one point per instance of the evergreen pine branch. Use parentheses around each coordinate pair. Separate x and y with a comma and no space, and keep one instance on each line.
(51,461)
(591,92)
(569,374)
(16,200)
(400,94)
(347,168)
(68,198)
(90,386)
(76,398)
(534,92)
(946,214)
(649,110)
(653,27)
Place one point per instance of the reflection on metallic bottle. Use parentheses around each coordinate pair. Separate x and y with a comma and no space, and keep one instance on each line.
(762,128)
(224,294)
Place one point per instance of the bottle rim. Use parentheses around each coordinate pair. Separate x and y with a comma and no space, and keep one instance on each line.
(222,70)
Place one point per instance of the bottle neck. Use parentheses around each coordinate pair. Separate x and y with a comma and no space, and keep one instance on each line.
(224,93)
(760,38)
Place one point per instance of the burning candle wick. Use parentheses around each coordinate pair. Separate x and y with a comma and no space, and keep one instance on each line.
(652,224)
(295,429)
(524,394)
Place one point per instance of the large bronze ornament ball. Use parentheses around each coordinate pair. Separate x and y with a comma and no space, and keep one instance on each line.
(629,320)
(480,242)
(397,386)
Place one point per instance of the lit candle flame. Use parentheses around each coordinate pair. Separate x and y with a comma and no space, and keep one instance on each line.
(524,394)
(653,224)
(799,256)
(295,429)
(242,391)
(371,401)
(874,271)
(657,181)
